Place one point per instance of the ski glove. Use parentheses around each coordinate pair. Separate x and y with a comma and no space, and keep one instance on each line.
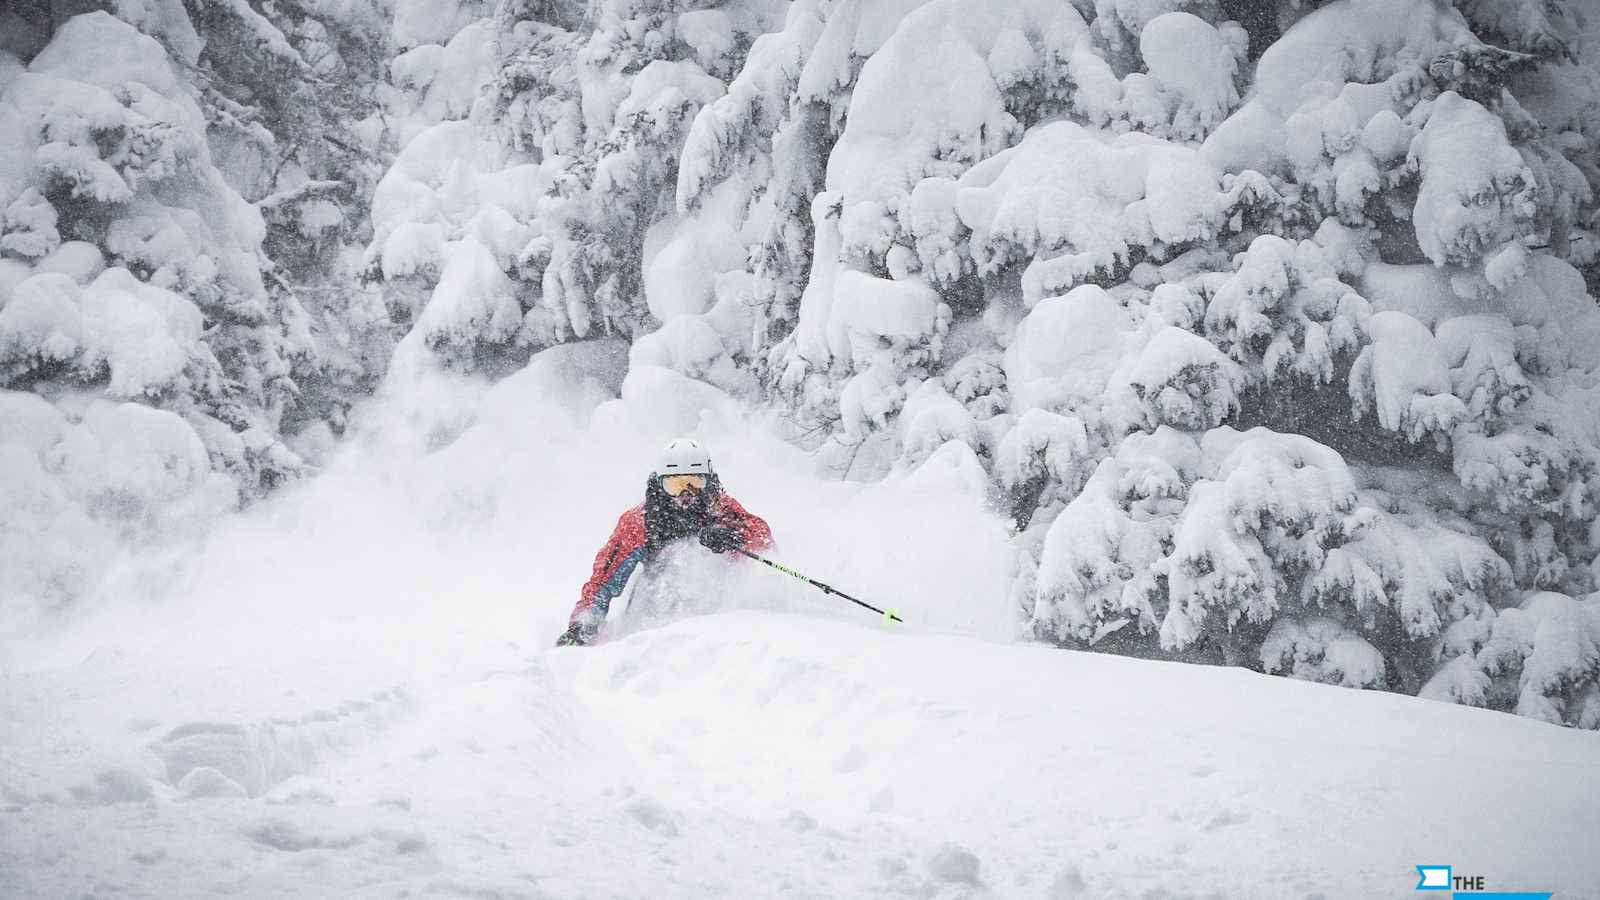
(576,636)
(720,538)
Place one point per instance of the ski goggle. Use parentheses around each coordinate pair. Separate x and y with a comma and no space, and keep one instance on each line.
(677,484)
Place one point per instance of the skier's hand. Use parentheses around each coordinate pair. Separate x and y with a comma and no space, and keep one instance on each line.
(576,635)
(720,538)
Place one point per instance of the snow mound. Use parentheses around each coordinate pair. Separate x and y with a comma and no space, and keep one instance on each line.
(783,729)
(1477,194)
(1354,41)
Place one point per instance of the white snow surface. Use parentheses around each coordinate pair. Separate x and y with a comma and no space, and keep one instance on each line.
(1354,41)
(1191,59)
(760,754)
(349,692)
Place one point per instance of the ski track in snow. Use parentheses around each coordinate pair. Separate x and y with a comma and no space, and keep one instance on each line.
(770,754)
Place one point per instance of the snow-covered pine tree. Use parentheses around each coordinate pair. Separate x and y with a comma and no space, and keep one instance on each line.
(130,291)
(1269,323)
(292,94)
(548,139)
(178,189)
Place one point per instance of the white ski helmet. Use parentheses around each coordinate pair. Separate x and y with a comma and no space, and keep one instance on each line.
(683,457)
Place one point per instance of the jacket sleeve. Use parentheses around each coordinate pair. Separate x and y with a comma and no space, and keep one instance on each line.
(751,527)
(612,566)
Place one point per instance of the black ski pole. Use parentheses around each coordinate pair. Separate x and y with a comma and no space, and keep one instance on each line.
(888,614)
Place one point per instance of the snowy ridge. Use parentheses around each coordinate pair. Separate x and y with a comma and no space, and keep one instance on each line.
(734,753)
(252,758)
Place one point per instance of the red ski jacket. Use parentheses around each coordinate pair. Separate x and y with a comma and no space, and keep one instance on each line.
(626,548)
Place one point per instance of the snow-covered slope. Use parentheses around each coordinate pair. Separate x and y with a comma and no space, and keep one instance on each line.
(1110,323)
(765,754)
(348,692)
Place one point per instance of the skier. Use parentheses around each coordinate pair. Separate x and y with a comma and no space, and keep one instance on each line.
(682,498)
